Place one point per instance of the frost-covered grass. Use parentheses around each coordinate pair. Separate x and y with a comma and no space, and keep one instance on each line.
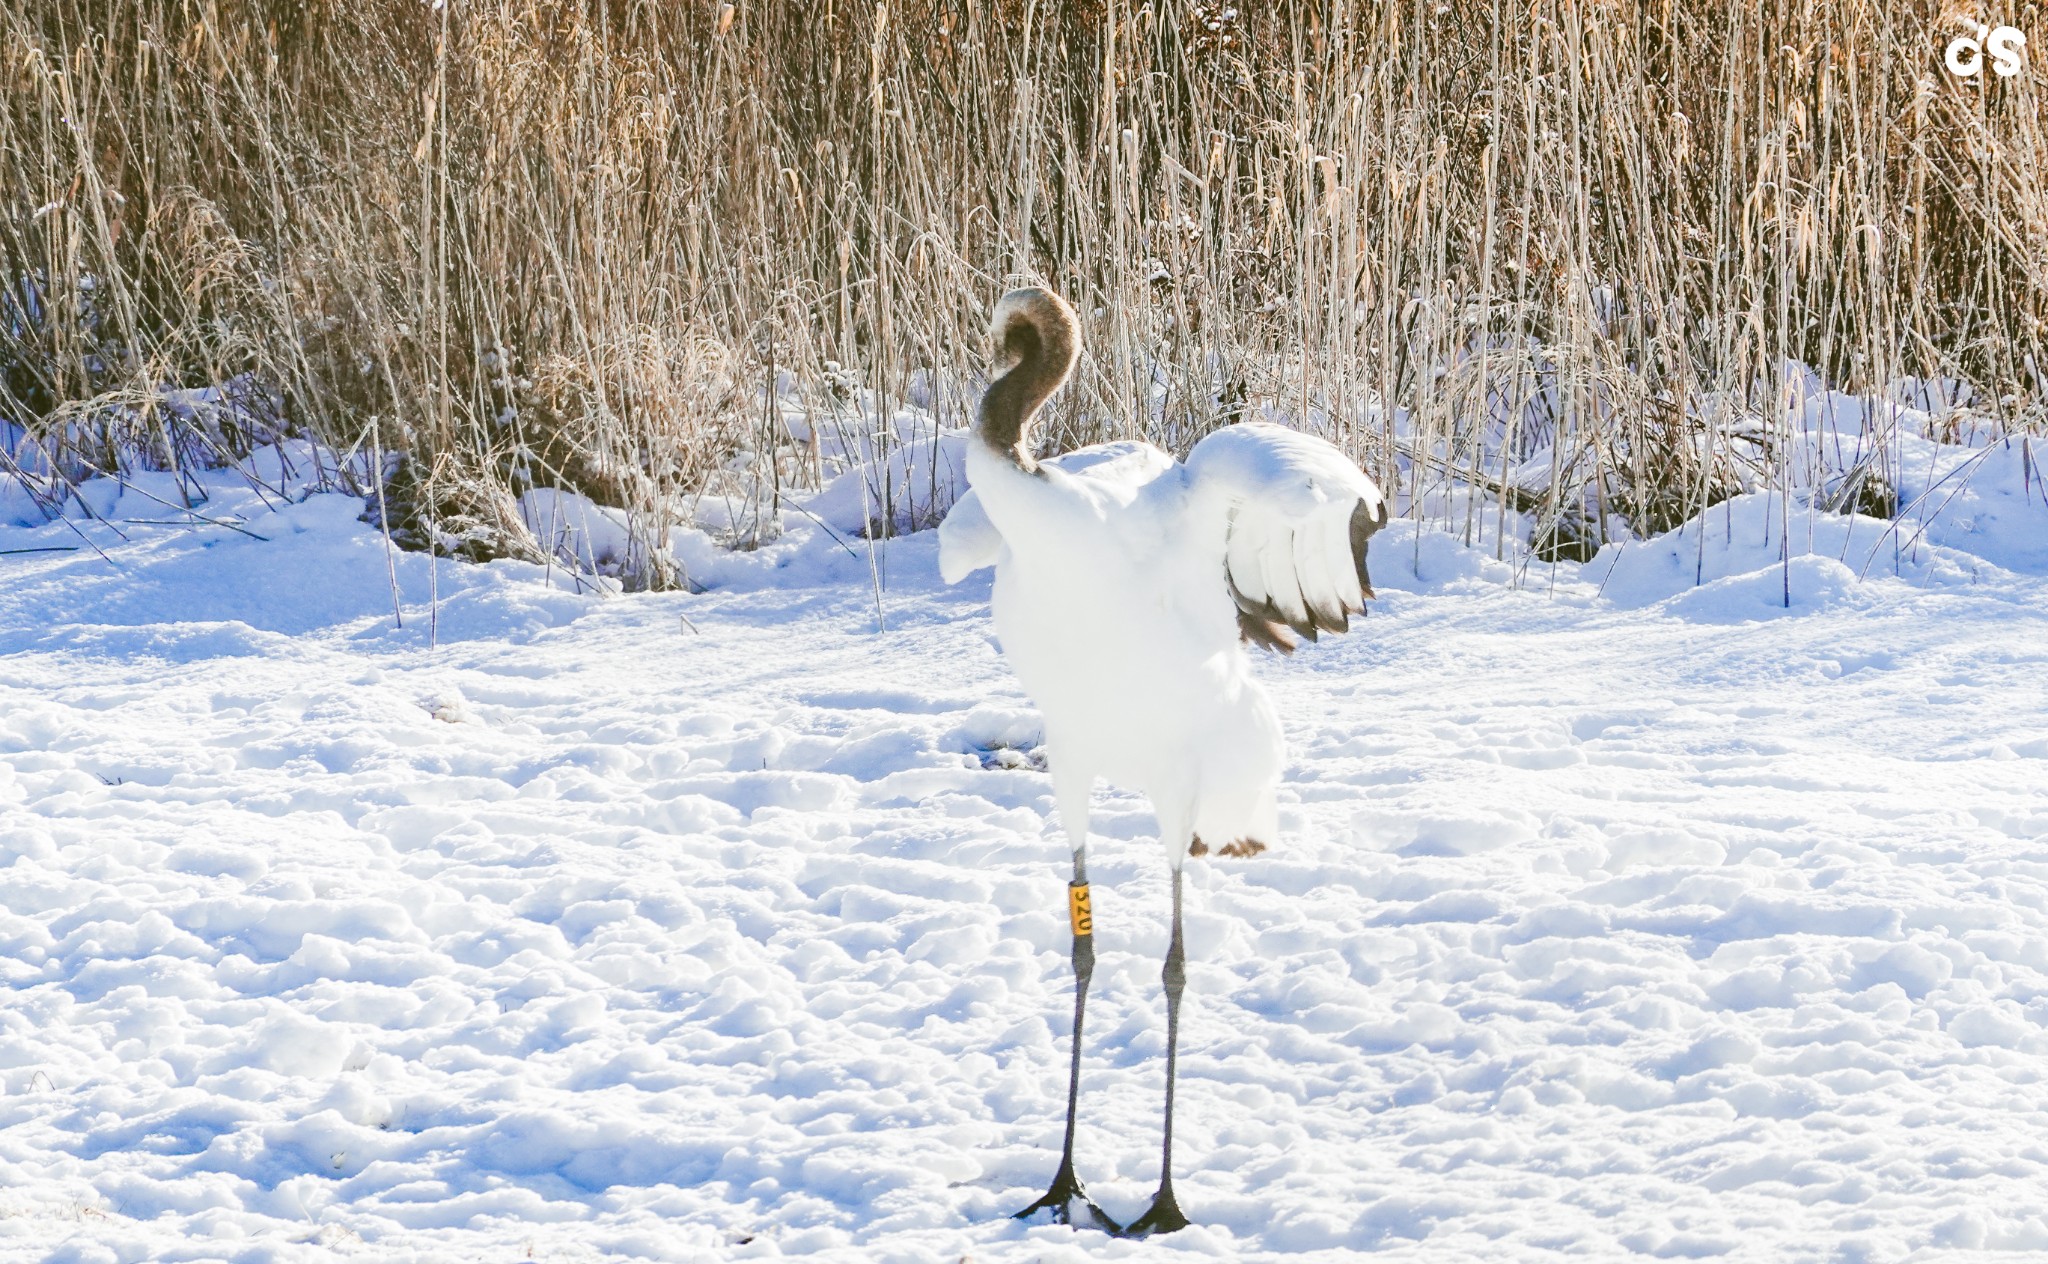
(1655,920)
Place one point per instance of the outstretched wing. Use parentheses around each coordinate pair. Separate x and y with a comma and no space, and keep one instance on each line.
(1298,514)
(968,541)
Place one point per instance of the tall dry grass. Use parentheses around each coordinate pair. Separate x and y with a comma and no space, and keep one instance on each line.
(571,242)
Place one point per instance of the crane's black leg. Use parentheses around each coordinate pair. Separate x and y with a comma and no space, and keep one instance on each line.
(1067,1192)
(1164,1216)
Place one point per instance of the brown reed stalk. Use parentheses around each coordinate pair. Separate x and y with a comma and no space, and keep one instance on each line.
(570,242)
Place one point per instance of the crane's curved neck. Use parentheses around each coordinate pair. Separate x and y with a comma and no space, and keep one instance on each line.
(1007,409)
(1040,351)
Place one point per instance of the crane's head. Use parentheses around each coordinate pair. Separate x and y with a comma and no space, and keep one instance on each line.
(1035,326)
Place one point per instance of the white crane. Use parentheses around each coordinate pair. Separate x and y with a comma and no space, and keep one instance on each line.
(1127,585)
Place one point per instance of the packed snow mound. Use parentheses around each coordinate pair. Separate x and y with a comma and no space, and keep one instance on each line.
(1989,502)
(1407,557)
(1754,556)
(230,561)
(574,527)
(910,488)
(1969,515)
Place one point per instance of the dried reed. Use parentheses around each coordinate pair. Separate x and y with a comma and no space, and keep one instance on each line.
(1563,250)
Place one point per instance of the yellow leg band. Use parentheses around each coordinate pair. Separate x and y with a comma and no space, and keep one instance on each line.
(1078,910)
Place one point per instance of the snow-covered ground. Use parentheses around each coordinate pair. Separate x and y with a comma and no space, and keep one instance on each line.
(1615,916)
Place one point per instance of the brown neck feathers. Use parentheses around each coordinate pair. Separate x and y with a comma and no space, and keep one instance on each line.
(1034,331)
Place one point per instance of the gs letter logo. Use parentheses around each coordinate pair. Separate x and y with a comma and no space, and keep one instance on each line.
(1965,53)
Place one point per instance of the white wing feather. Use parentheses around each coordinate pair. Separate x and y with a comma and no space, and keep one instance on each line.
(968,541)
(1298,513)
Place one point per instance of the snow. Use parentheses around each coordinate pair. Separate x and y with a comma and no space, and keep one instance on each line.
(1613,915)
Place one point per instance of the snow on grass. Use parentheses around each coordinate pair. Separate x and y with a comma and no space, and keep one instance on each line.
(1635,920)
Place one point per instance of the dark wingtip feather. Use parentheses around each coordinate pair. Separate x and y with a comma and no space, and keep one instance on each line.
(1330,618)
(1305,625)
(1262,623)
(1245,605)
(1261,632)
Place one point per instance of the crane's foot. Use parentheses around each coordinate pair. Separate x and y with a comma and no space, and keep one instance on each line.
(1163,1216)
(1069,1204)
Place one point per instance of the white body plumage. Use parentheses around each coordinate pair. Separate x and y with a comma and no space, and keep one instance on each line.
(1109,606)
(1126,583)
